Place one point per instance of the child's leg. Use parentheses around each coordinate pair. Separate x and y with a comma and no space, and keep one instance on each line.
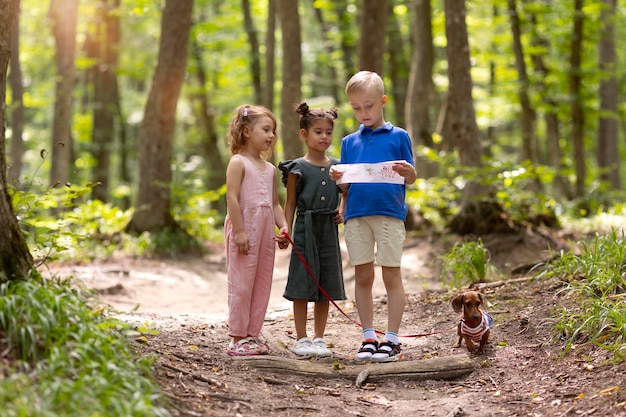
(300,310)
(396,300)
(320,314)
(363,282)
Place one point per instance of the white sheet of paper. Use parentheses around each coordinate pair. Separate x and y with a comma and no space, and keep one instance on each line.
(378,172)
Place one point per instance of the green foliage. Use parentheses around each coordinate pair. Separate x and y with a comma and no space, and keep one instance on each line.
(597,284)
(466,263)
(69,359)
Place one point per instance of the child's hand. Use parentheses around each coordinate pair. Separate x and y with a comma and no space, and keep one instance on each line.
(334,173)
(405,170)
(281,238)
(241,240)
(338,217)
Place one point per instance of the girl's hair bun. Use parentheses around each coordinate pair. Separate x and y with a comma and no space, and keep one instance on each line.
(302,109)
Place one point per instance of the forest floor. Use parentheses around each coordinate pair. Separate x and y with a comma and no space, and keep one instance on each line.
(182,303)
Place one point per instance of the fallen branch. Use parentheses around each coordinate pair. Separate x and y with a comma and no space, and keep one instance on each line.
(448,367)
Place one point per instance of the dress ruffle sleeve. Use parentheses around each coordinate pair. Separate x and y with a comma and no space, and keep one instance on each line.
(290,167)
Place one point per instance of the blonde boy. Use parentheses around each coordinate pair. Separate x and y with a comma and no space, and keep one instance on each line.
(375,212)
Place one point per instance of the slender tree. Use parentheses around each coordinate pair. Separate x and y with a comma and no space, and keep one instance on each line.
(479,213)
(528,115)
(206,114)
(156,134)
(607,150)
(550,104)
(578,112)
(63,15)
(270,47)
(255,54)
(329,51)
(106,38)
(421,89)
(16,261)
(17,105)
(290,94)
(399,66)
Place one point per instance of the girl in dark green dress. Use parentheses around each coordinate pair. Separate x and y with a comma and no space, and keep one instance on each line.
(313,199)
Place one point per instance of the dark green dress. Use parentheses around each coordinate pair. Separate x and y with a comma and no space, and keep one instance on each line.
(314,233)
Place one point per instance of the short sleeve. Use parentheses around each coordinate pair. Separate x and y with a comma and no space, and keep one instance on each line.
(289,167)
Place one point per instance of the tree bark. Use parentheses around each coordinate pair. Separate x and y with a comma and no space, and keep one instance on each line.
(578,113)
(290,94)
(210,145)
(270,48)
(328,49)
(479,212)
(16,262)
(156,134)
(550,104)
(528,116)
(64,15)
(346,33)
(372,35)
(255,55)
(448,367)
(17,105)
(106,38)
(608,150)
(399,66)
(421,89)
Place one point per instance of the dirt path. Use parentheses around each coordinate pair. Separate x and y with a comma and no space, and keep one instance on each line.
(520,374)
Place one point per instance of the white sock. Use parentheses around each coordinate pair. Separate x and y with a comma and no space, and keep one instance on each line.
(369,334)
(391,337)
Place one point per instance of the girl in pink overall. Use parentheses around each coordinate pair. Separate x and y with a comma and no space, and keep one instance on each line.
(254,211)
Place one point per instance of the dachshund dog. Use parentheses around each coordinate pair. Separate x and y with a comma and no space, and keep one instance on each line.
(474,324)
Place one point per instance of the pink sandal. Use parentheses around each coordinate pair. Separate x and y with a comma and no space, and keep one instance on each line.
(245,347)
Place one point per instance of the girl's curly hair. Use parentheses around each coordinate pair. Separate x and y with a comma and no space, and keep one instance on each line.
(246,115)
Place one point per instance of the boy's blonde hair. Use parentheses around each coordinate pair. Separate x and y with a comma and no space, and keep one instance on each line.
(247,115)
(364,81)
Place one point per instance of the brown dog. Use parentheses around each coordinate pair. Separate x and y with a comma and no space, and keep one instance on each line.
(474,324)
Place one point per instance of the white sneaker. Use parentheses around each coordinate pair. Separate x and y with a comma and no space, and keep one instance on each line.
(304,347)
(322,351)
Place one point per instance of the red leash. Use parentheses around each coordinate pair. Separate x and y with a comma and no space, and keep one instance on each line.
(308,269)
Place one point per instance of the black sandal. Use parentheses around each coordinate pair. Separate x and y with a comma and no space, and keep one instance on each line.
(368,348)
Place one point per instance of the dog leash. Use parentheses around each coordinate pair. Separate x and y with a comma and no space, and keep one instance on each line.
(308,269)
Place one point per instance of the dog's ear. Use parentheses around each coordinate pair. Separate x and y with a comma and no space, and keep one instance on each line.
(457,303)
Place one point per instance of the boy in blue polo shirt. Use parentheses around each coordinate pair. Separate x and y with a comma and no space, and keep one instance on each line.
(375,212)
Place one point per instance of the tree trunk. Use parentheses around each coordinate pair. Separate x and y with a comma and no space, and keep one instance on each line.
(578,113)
(528,116)
(156,134)
(421,89)
(333,81)
(372,29)
(608,150)
(399,68)
(106,38)
(17,105)
(346,33)
(290,94)
(63,14)
(210,144)
(16,261)
(255,55)
(550,104)
(270,48)
(479,212)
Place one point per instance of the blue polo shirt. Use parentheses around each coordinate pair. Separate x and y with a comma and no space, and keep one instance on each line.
(387,143)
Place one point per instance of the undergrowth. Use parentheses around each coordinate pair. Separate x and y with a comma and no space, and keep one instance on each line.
(596,287)
(63,357)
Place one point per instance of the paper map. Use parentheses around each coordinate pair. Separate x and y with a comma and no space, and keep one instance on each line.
(378,172)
